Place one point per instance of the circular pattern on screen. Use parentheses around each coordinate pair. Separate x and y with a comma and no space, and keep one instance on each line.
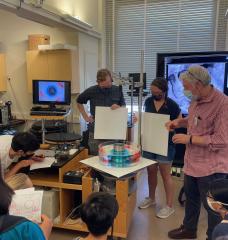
(51,91)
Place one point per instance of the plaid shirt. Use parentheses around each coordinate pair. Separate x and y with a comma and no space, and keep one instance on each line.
(208,118)
(101,97)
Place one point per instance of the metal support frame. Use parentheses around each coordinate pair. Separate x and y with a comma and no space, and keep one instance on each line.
(129,81)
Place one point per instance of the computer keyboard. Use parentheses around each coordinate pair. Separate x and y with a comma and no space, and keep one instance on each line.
(48,113)
(41,111)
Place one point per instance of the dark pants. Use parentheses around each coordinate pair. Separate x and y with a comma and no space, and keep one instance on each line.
(196,189)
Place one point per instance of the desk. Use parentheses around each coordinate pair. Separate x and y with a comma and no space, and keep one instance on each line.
(12,123)
(11,126)
(47,117)
(54,178)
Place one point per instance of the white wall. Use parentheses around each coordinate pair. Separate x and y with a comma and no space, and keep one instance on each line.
(14,33)
(88,62)
(87,10)
(227,35)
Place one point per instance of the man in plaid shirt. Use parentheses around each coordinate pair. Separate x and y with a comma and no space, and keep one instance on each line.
(206,156)
(103,94)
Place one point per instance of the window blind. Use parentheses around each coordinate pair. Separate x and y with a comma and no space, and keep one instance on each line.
(155,26)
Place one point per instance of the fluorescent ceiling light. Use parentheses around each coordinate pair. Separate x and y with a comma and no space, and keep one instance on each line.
(7,4)
(76,21)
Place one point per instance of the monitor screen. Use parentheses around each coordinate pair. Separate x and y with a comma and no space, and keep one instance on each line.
(51,92)
(217,71)
(136,78)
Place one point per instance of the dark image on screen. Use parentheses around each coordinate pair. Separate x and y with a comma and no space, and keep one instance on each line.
(176,90)
(52,91)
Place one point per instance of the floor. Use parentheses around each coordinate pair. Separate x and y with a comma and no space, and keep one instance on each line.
(145,225)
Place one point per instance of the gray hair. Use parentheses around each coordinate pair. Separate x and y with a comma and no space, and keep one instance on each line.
(196,73)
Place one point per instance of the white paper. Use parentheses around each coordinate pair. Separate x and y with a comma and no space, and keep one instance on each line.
(46,163)
(46,153)
(154,133)
(110,124)
(27,203)
(94,162)
(73,151)
(26,190)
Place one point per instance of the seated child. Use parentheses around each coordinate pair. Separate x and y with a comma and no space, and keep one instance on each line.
(218,201)
(98,213)
(19,228)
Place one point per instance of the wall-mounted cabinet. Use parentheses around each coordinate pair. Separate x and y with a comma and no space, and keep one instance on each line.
(53,65)
(3,73)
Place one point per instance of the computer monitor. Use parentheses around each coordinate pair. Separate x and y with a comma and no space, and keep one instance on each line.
(217,72)
(136,78)
(171,65)
(51,92)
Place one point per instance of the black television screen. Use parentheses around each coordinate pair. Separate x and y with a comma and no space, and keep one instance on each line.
(176,90)
(51,92)
(171,65)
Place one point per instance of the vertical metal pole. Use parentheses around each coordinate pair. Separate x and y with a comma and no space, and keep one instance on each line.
(132,99)
(140,99)
(43,130)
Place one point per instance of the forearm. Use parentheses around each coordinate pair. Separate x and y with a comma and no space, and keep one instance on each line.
(46,231)
(82,110)
(182,122)
(209,141)
(198,140)
(12,171)
(46,226)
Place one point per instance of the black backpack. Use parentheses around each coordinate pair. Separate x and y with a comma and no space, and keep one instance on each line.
(8,222)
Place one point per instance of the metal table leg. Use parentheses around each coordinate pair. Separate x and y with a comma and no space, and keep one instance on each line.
(43,130)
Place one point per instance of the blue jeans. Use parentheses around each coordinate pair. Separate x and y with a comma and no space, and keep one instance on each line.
(196,189)
(159,158)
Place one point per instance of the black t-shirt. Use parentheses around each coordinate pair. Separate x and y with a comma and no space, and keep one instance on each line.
(101,97)
(168,108)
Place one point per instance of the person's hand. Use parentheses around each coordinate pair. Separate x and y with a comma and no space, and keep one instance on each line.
(46,225)
(115,106)
(134,118)
(25,163)
(181,138)
(89,119)
(171,125)
(39,158)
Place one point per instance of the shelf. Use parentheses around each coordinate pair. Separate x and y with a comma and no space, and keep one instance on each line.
(50,180)
(74,226)
(79,226)
(68,195)
(70,186)
(47,117)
